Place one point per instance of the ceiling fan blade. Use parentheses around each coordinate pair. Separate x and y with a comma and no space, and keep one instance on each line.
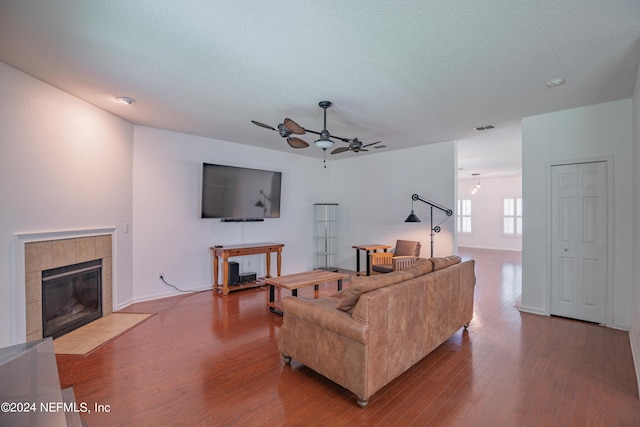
(357,150)
(340,150)
(373,143)
(294,127)
(262,125)
(296,143)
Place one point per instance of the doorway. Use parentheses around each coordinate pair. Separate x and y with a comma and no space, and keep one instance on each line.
(579,241)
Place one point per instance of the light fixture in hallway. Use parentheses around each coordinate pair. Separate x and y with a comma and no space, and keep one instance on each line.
(476,187)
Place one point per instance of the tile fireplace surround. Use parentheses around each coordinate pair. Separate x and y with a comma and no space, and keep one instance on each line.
(58,252)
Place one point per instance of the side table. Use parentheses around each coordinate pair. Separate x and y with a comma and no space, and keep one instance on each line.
(367,249)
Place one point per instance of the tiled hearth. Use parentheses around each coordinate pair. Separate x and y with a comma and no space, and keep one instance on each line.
(48,254)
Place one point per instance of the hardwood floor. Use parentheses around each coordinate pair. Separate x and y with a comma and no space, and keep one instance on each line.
(204,359)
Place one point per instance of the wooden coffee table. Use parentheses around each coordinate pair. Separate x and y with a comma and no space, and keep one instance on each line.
(293,282)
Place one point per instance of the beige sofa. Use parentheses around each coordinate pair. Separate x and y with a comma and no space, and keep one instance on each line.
(371,332)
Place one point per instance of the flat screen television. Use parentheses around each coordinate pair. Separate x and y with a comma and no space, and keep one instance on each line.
(236,193)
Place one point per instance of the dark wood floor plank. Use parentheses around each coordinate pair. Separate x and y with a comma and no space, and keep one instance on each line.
(205,359)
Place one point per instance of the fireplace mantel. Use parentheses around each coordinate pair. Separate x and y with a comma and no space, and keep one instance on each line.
(49,250)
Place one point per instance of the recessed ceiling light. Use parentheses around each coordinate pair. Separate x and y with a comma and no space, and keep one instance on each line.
(126,100)
(555,82)
(486,127)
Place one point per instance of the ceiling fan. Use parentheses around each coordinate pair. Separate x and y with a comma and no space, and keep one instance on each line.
(289,128)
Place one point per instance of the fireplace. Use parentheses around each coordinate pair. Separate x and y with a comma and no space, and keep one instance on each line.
(49,251)
(71,297)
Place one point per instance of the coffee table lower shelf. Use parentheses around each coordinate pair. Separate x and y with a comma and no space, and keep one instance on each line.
(295,281)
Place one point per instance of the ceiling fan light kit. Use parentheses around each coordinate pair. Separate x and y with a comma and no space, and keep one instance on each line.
(288,127)
(324,142)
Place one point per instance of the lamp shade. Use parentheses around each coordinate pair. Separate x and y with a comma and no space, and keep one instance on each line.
(412,217)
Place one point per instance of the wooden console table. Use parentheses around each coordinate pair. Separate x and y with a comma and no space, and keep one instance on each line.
(229,251)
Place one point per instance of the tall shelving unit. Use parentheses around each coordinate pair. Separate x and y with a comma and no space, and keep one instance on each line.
(326,235)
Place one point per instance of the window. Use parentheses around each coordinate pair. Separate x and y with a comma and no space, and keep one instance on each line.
(512,212)
(464,216)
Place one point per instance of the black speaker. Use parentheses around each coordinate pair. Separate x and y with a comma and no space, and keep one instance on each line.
(234,273)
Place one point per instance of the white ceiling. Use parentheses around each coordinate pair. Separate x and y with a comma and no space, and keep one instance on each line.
(408,73)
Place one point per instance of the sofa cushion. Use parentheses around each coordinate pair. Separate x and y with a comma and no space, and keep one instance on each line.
(444,262)
(420,267)
(362,284)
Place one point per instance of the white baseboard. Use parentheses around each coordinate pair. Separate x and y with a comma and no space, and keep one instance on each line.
(620,327)
(533,310)
(635,353)
(123,305)
(168,293)
(489,248)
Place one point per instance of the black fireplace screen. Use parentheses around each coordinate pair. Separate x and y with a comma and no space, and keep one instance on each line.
(71,297)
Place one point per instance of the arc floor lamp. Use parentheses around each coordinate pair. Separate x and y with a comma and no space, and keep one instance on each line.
(413,218)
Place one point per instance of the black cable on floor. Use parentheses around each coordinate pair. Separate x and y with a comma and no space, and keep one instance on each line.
(182,290)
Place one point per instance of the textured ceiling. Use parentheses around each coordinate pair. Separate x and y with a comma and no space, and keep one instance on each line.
(408,73)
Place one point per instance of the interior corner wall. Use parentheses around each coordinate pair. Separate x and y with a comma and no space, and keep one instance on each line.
(64,165)
(374,193)
(634,330)
(170,236)
(487,212)
(580,134)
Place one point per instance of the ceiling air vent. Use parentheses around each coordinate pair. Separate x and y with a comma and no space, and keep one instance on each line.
(487,127)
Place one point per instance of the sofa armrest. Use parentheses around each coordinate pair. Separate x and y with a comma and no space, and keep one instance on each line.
(326,317)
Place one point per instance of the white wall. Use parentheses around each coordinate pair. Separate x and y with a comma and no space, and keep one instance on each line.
(170,237)
(634,330)
(596,132)
(375,191)
(56,154)
(57,151)
(487,212)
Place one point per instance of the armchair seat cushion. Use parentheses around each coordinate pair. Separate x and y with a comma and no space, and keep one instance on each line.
(382,268)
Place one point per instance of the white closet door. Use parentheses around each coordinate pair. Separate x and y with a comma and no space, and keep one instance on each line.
(579,241)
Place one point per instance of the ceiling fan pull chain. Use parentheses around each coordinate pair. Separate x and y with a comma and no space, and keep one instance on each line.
(325,156)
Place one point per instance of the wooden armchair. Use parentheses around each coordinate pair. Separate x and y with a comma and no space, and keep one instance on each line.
(405,254)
